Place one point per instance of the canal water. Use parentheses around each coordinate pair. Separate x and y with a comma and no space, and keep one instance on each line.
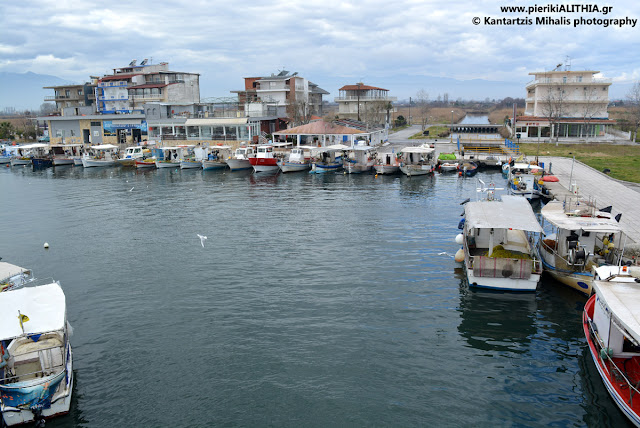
(475,119)
(317,300)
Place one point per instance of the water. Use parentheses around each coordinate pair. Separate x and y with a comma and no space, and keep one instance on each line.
(475,119)
(318,300)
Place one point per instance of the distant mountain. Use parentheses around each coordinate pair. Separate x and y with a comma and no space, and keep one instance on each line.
(23,91)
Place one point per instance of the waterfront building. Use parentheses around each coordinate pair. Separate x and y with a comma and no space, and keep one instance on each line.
(74,98)
(129,88)
(564,104)
(365,103)
(279,96)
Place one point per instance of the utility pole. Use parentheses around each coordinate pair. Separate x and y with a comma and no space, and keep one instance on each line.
(358,92)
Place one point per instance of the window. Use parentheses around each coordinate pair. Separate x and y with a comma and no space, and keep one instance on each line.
(73,133)
(579,78)
(96,124)
(67,93)
(79,91)
(564,79)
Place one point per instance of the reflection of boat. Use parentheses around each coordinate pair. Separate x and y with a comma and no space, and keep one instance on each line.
(612,328)
(36,376)
(241,159)
(497,244)
(295,161)
(417,160)
(581,237)
(101,155)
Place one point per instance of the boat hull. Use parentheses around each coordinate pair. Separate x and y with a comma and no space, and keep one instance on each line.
(323,167)
(20,161)
(210,164)
(42,162)
(5,159)
(386,169)
(448,167)
(142,164)
(190,164)
(353,168)
(620,397)
(88,163)
(126,162)
(163,164)
(411,170)
(77,162)
(63,161)
(294,166)
(503,284)
(264,164)
(238,164)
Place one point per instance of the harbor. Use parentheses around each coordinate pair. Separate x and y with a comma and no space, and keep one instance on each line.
(316,299)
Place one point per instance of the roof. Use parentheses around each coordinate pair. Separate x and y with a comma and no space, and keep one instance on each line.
(622,296)
(360,88)
(554,213)
(320,127)
(7,270)
(121,76)
(44,305)
(512,212)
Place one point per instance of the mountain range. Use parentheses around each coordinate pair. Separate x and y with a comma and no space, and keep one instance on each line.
(23,91)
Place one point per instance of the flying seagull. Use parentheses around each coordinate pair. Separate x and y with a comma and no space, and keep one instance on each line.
(202,239)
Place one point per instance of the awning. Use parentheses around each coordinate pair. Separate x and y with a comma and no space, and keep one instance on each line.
(104,147)
(44,305)
(7,270)
(417,149)
(512,212)
(555,214)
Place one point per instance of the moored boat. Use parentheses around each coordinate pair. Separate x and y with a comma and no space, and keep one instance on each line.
(467,168)
(612,329)
(417,160)
(66,154)
(265,159)
(216,157)
(141,163)
(580,238)
(523,180)
(295,161)
(358,159)
(327,159)
(241,159)
(497,245)
(386,162)
(102,155)
(131,154)
(36,371)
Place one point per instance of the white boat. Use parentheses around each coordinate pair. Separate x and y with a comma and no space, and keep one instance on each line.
(36,371)
(580,238)
(12,276)
(193,158)
(295,160)
(23,155)
(265,159)
(171,156)
(498,244)
(328,159)
(523,180)
(241,159)
(5,154)
(100,156)
(66,154)
(447,162)
(216,157)
(387,162)
(611,322)
(417,160)
(358,159)
(132,154)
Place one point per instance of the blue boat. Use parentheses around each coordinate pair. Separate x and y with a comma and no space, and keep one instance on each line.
(468,168)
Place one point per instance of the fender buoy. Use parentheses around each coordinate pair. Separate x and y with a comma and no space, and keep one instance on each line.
(459,257)
(550,178)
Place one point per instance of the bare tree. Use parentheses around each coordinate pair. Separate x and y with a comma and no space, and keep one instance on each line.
(553,105)
(373,112)
(591,106)
(422,101)
(298,112)
(633,96)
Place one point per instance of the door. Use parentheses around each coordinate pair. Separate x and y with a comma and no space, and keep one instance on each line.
(137,135)
(86,136)
(122,136)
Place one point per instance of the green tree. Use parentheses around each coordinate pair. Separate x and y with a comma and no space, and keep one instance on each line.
(400,121)
(6,130)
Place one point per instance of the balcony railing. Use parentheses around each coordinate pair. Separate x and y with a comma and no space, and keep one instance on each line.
(112,84)
(365,98)
(571,80)
(146,97)
(112,98)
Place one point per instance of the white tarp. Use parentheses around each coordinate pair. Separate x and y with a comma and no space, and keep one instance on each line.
(7,270)
(512,212)
(554,213)
(417,149)
(33,146)
(44,305)
(623,299)
(104,147)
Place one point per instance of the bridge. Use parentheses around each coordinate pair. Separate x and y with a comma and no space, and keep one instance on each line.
(469,128)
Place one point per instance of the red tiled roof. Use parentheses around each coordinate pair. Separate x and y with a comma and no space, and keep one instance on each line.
(319,128)
(119,77)
(360,88)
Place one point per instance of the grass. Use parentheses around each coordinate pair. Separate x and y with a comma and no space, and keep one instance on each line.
(622,160)
(434,132)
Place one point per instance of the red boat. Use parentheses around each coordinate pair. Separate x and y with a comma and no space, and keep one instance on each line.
(611,322)
(265,160)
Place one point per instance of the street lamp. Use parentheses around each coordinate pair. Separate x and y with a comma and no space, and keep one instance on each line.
(451,131)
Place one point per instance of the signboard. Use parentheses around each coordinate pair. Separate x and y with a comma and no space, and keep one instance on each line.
(110,127)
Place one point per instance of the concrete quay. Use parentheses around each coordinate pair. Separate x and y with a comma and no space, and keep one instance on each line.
(603,190)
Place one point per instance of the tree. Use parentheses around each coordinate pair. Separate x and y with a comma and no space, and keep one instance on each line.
(47,108)
(591,106)
(7,131)
(633,98)
(552,106)
(422,101)
(400,121)
(298,112)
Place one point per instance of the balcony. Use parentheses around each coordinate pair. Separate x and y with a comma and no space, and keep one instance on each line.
(147,97)
(570,81)
(112,84)
(364,98)
(112,98)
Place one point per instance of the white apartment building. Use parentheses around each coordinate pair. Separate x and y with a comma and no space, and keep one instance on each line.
(129,88)
(364,103)
(565,103)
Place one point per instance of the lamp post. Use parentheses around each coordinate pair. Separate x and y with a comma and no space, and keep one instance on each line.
(451,131)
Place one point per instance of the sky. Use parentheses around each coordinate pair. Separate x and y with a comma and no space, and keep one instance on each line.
(398,45)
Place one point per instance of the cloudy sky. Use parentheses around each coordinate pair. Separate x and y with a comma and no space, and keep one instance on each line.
(394,44)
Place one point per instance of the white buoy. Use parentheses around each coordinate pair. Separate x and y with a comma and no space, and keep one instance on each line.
(459,239)
(459,257)
(46,245)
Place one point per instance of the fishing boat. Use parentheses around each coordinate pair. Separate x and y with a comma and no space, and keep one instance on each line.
(169,157)
(295,161)
(12,276)
(193,158)
(523,180)
(467,168)
(612,327)
(580,238)
(215,157)
(358,159)
(417,160)
(497,244)
(36,373)
(66,154)
(102,155)
(5,154)
(241,159)
(447,162)
(266,159)
(131,154)
(327,159)
(24,154)
(386,162)
(144,163)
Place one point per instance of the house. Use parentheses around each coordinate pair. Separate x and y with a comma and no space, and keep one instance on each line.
(364,103)
(564,104)
(74,97)
(129,88)
(280,98)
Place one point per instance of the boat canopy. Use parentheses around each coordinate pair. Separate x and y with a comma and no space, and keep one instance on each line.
(525,166)
(555,214)
(512,212)
(44,305)
(67,145)
(623,300)
(104,147)
(417,149)
(33,146)
(333,148)
(7,270)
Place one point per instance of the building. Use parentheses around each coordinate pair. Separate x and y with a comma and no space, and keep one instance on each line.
(129,88)
(365,103)
(282,95)
(74,98)
(565,103)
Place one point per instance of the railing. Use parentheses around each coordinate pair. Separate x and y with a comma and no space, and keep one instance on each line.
(512,146)
(363,98)
(112,98)
(112,84)
(146,97)
(574,79)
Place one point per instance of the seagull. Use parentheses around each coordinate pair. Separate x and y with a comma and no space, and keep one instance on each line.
(202,239)
(131,190)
